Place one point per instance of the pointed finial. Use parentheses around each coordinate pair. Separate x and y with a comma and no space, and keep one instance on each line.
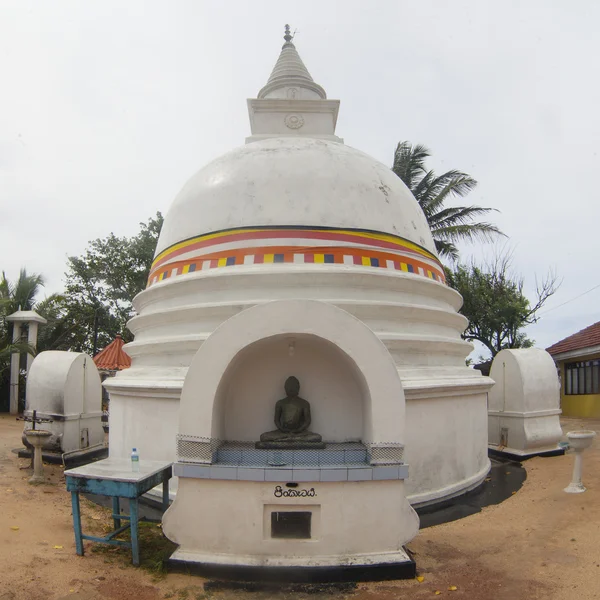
(287,37)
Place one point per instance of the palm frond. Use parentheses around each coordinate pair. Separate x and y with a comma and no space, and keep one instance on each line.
(409,162)
(446,249)
(458,215)
(451,224)
(469,232)
(16,348)
(452,183)
(25,289)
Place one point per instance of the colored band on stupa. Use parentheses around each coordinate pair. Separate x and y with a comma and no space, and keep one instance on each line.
(297,245)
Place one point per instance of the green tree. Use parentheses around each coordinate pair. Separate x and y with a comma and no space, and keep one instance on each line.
(14,296)
(495,304)
(22,295)
(449,224)
(101,284)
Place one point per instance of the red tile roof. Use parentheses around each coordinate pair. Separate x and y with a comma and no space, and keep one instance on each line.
(590,336)
(113,357)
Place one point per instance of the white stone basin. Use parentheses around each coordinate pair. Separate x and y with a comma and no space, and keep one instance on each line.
(36,438)
(580,440)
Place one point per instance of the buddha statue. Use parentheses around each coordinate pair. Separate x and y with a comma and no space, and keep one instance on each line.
(292,418)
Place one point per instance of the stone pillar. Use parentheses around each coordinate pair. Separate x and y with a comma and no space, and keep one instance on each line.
(32,341)
(18,319)
(14,371)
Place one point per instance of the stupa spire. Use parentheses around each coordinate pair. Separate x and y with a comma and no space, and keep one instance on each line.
(291,103)
(290,74)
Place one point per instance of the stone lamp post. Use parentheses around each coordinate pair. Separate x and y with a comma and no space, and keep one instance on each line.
(31,319)
(579,441)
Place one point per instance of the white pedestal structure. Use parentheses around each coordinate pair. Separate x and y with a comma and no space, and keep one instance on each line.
(578,441)
(295,215)
(234,503)
(37,437)
(413,314)
(524,404)
(65,387)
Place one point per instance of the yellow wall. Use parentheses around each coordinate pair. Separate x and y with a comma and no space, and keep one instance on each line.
(578,405)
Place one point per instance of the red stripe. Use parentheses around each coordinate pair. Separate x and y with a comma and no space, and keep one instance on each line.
(338,254)
(290,233)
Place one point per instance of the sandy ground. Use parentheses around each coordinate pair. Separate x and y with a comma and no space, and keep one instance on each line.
(540,543)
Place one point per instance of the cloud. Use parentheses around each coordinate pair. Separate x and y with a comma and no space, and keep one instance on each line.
(109,107)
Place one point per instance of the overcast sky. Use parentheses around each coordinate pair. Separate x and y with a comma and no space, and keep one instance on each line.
(108,107)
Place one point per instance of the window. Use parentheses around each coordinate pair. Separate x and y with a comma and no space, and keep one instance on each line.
(582,377)
(291,525)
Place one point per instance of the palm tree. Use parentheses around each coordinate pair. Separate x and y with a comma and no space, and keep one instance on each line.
(20,294)
(448,224)
(15,296)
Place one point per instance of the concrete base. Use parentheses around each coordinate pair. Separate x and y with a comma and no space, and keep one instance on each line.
(575,488)
(369,567)
(72,459)
(515,454)
(281,445)
(505,478)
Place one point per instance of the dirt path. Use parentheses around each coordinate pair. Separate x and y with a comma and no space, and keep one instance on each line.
(541,543)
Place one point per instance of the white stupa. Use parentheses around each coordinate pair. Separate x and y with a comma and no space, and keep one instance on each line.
(286,256)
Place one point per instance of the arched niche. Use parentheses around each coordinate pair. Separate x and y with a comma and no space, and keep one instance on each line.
(360,368)
(254,381)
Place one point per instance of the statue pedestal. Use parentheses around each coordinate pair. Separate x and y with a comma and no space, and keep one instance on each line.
(37,437)
(578,441)
(289,445)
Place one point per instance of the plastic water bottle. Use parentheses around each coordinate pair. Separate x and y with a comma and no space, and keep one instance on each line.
(135,461)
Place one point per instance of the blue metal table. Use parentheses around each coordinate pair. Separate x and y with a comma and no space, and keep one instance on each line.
(114,477)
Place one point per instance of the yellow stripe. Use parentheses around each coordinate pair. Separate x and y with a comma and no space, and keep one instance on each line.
(366,261)
(371,236)
(186,269)
(319,258)
(222,262)
(268,258)
(404,266)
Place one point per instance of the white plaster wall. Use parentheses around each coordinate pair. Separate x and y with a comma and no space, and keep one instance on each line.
(147,423)
(356,518)
(295,181)
(299,93)
(66,387)
(266,183)
(382,394)
(525,401)
(446,445)
(526,380)
(327,381)
(274,123)
(56,383)
(415,318)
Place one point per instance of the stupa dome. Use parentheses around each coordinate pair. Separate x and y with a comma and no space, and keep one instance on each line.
(295,182)
(295,218)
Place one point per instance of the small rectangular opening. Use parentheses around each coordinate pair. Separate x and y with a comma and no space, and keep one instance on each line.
(291,525)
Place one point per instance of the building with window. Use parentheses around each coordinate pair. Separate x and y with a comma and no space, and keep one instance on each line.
(578,359)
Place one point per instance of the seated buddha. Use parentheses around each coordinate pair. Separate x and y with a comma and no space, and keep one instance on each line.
(292,419)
